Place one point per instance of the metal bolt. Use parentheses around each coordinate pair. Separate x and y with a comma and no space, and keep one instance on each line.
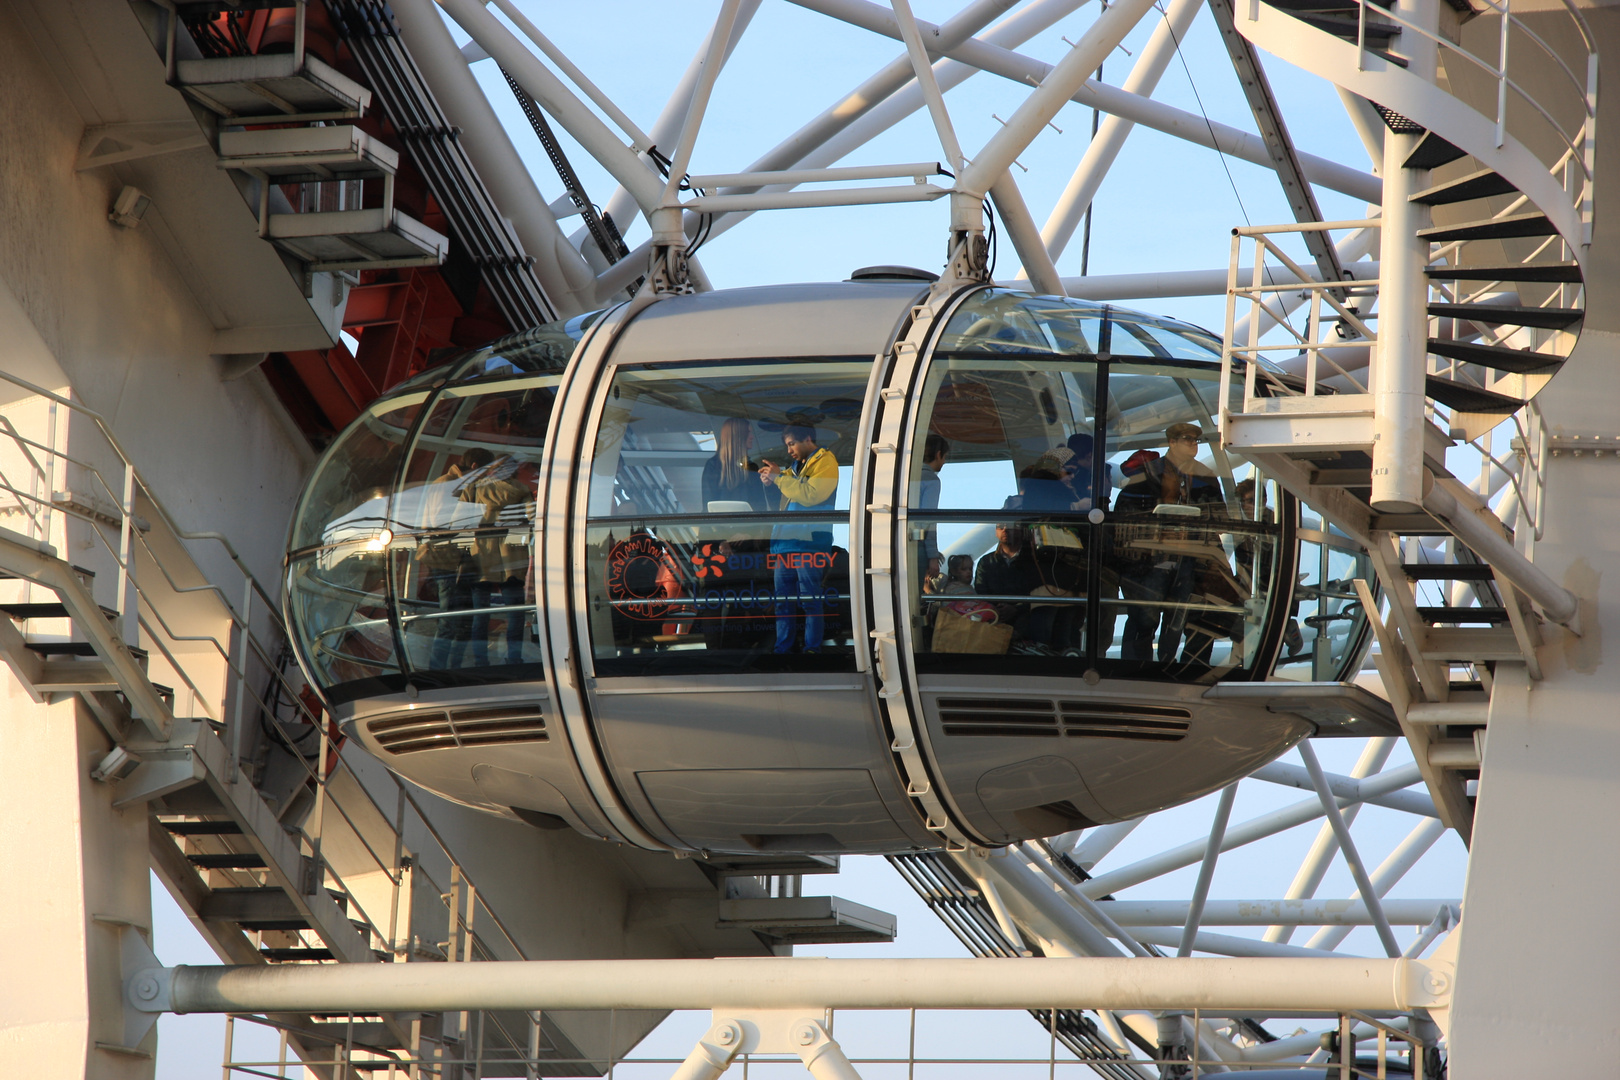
(146,988)
(1436,982)
(805,1034)
(726,1035)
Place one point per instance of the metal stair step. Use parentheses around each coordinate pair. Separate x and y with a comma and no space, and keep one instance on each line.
(1499,357)
(1500,228)
(1432,152)
(230,860)
(1448,572)
(1471,644)
(1347,28)
(1476,185)
(202,828)
(1545,318)
(1466,398)
(294,955)
(1494,615)
(1537,272)
(806,920)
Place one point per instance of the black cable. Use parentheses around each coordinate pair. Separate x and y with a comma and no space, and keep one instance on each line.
(990,237)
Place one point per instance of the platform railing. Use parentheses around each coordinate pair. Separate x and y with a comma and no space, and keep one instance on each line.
(259,686)
(1358,1046)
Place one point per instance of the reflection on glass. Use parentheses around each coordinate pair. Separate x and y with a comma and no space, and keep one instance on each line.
(1327,626)
(339,602)
(413,549)
(1001,321)
(728,595)
(348,498)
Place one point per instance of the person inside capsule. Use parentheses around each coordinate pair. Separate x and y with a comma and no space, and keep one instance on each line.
(1163,565)
(801,553)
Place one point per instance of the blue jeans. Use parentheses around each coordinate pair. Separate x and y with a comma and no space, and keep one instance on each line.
(800,568)
(1173,583)
(450,631)
(488,594)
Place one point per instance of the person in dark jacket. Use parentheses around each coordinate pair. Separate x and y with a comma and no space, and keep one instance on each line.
(1148,574)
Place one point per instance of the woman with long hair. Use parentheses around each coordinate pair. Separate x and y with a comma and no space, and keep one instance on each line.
(731,476)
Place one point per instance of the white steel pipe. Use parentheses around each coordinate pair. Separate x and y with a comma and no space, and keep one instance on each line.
(915,169)
(1035,907)
(1225,944)
(566,277)
(1315,864)
(1448,712)
(1056,88)
(791,200)
(1110,287)
(923,67)
(1348,787)
(1305,912)
(1347,845)
(1114,130)
(549,92)
(1469,525)
(1206,869)
(1111,99)
(1398,375)
(1025,236)
(713,60)
(1247,833)
(1275,986)
(1391,870)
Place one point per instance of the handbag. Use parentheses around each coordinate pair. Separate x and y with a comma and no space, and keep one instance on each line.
(954,633)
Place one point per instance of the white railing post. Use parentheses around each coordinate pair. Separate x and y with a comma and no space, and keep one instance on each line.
(235,734)
(129,628)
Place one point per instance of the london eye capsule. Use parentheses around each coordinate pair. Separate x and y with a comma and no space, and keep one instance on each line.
(848,567)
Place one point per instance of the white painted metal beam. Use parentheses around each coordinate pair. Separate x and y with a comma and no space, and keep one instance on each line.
(1213,985)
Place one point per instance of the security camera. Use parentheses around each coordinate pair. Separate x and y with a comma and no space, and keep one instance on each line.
(130,206)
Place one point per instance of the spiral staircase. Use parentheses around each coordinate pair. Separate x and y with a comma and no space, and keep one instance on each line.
(1499,155)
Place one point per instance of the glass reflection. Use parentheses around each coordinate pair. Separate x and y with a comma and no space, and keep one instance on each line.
(718,528)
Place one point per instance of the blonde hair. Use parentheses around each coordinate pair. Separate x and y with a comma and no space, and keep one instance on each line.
(732,449)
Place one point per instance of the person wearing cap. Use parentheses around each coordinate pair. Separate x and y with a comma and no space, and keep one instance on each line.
(1151,481)
(801,553)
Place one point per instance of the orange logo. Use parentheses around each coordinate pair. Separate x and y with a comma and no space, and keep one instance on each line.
(710,561)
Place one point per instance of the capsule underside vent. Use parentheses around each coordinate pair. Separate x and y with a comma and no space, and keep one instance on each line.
(1004,718)
(407,733)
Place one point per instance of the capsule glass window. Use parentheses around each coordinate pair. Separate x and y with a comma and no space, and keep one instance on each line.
(717,534)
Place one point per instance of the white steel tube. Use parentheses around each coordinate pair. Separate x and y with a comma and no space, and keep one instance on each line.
(1272,985)
(1225,944)
(1206,869)
(549,92)
(1180,283)
(789,200)
(1390,871)
(1114,130)
(1034,906)
(1448,712)
(1096,845)
(1349,788)
(713,60)
(1559,604)
(640,138)
(1055,90)
(1306,912)
(566,277)
(1025,237)
(1111,99)
(915,169)
(1089,907)
(1398,384)
(1316,862)
(1247,833)
(1347,844)
(923,66)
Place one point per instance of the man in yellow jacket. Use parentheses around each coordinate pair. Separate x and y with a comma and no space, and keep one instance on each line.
(802,553)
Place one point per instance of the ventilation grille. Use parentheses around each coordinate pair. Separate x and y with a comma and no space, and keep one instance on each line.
(406,733)
(1051,719)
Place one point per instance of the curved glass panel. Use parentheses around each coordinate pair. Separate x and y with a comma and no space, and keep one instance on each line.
(718,526)
(1068,513)
(1002,321)
(422,519)
(1327,627)
(347,499)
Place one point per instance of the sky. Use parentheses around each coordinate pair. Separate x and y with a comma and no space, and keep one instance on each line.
(1166,205)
